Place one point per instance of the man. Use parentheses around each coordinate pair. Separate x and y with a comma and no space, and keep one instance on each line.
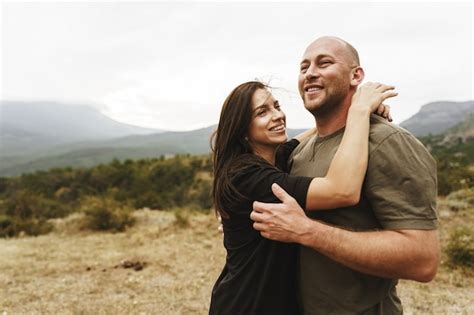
(352,257)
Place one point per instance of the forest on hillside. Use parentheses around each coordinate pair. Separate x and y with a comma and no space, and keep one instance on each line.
(107,193)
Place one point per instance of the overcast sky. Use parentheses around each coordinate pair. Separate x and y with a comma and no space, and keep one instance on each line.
(170,66)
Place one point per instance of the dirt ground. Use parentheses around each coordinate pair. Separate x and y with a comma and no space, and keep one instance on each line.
(160,266)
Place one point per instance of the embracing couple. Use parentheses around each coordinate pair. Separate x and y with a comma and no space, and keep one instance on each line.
(327,222)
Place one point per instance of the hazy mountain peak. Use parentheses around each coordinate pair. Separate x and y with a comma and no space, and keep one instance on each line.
(437,117)
(27,126)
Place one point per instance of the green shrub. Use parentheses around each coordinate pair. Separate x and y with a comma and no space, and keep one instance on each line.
(6,226)
(13,226)
(460,249)
(26,205)
(105,214)
(66,194)
(199,194)
(34,227)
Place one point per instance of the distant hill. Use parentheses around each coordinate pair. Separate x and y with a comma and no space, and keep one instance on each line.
(454,154)
(27,127)
(459,134)
(96,143)
(463,131)
(435,118)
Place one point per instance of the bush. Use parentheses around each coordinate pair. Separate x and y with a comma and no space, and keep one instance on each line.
(200,194)
(28,212)
(34,227)
(460,249)
(105,214)
(12,226)
(26,205)
(6,226)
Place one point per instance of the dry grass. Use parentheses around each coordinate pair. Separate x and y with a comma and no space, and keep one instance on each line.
(77,273)
(74,272)
(451,292)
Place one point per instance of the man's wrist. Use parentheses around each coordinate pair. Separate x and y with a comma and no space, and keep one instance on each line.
(307,232)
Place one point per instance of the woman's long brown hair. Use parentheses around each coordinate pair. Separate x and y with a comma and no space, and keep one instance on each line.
(230,147)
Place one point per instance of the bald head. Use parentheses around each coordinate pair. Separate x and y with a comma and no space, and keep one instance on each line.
(346,49)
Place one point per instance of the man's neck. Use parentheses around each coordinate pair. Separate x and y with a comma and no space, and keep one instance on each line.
(333,121)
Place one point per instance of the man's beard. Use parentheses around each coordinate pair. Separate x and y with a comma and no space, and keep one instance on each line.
(329,105)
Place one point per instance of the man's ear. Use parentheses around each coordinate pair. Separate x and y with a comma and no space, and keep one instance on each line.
(357,76)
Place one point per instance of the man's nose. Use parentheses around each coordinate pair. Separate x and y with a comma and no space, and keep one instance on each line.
(311,72)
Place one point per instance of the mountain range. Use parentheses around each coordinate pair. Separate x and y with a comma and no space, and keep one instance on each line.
(437,117)
(27,127)
(39,136)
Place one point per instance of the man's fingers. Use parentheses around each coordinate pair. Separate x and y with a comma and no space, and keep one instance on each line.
(259,226)
(259,206)
(256,216)
(220,228)
(281,194)
(266,235)
(264,207)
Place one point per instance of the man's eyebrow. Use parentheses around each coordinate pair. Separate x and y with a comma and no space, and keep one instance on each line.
(318,57)
(323,56)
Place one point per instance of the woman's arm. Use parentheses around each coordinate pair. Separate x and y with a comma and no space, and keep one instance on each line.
(343,182)
(382,110)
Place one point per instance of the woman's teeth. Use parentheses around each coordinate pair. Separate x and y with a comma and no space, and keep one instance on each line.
(278,128)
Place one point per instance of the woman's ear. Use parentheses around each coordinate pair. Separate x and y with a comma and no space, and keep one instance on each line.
(358,75)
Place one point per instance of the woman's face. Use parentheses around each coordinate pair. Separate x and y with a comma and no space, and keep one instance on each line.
(268,125)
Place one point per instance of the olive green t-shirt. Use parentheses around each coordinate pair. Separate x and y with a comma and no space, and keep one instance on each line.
(399,192)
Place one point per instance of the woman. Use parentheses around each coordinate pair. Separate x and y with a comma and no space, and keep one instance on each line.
(250,154)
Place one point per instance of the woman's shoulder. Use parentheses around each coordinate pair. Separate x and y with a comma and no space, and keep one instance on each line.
(284,152)
(248,164)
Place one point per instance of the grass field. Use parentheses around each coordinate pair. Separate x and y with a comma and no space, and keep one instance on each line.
(177,257)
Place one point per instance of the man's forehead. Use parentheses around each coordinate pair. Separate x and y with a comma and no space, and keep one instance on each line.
(325,46)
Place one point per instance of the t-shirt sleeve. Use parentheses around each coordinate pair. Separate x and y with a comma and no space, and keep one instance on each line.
(255,183)
(401,184)
(283,154)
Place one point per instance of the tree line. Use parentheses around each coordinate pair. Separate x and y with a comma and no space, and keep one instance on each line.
(28,201)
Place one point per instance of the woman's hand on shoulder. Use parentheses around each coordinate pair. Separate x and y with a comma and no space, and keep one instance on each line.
(371,96)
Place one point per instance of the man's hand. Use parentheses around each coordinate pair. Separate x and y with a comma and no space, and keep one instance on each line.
(284,222)
(220,228)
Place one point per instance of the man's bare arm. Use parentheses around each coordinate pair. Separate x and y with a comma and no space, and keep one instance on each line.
(407,254)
